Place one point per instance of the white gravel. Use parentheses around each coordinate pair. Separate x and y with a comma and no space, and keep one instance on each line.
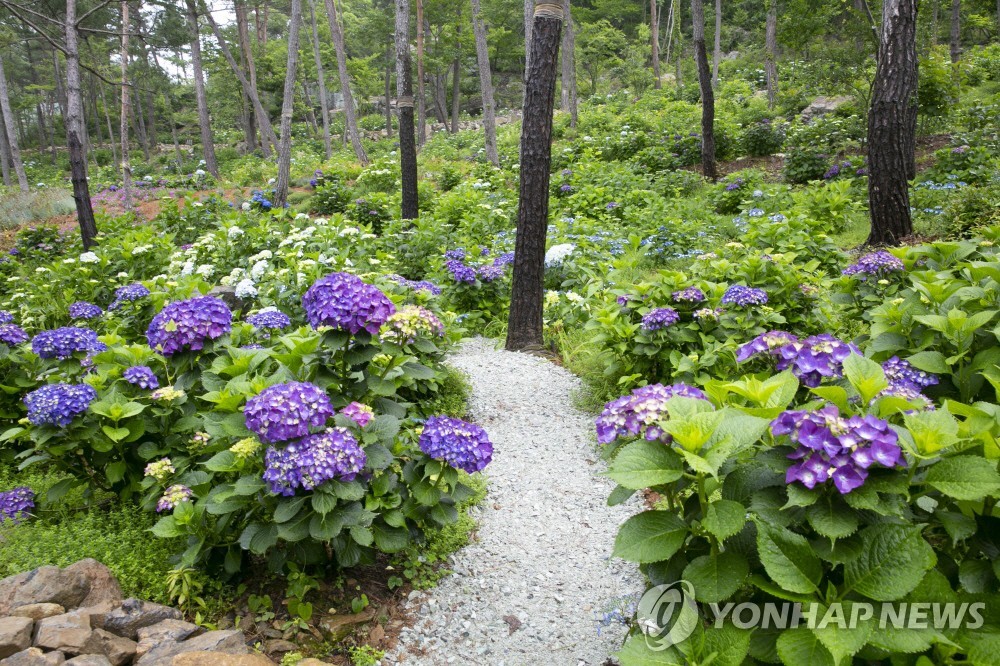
(531,587)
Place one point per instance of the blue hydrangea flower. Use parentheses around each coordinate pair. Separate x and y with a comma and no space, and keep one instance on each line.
(742,296)
(12,335)
(689,295)
(815,358)
(504,259)
(58,404)
(765,342)
(640,412)
(900,372)
(127,294)
(458,254)
(345,302)
(188,325)
(310,462)
(659,318)
(141,376)
(61,343)
(461,444)
(877,264)
(84,310)
(460,272)
(16,503)
(287,411)
(416,285)
(490,272)
(269,319)
(6,317)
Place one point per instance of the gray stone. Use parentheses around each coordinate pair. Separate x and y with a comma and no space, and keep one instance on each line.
(279,646)
(68,632)
(42,585)
(89,660)
(117,649)
(135,614)
(230,642)
(15,635)
(168,631)
(34,657)
(38,611)
(220,659)
(102,586)
(227,295)
(822,106)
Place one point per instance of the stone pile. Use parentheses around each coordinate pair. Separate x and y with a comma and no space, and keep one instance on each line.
(76,616)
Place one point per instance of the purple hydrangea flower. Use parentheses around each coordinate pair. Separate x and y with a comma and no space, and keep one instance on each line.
(84,310)
(640,412)
(659,318)
(6,317)
(876,264)
(689,295)
(173,496)
(566,188)
(832,172)
(831,447)
(61,343)
(766,342)
(461,444)
(504,259)
(900,372)
(815,358)
(252,346)
(460,272)
(58,404)
(490,272)
(343,301)
(287,411)
(188,325)
(141,376)
(313,460)
(128,293)
(16,503)
(417,285)
(269,319)
(359,413)
(735,185)
(742,296)
(12,335)
(458,254)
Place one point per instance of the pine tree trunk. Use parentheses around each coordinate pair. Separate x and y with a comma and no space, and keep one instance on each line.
(524,325)
(654,24)
(421,98)
(310,112)
(141,124)
(287,107)
(771,48)
(717,53)
(441,99)
(485,85)
(955,42)
(529,19)
(935,14)
(892,125)
(324,98)
(350,116)
(247,65)
(388,91)
(111,134)
(12,141)
(4,154)
(707,94)
(207,142)
(73,119)
(568,74)
(404,107)
(126,98)
(456,94)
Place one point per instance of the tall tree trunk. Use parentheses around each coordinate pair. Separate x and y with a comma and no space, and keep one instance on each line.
(287,106)
(324,98)
(568,74)
(388,91)
(8,121)
(264,122)
(935,14)
(955,43)
(4,153)
(404,107)
(126,98)
(141,124)
(524,325)
(892,124)
(73,118)
(421,98)
(654,24)
(247,62)
(111,134)
(771,48)
(485,84)
(456,92)
(310,113)
(529,19)
(680,47)
(717,52)
(707,95)
(350,116)
(207,142)
(441,99)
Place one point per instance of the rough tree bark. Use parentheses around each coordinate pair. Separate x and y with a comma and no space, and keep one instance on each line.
(111,134)
(10,131)
(955,41)
(717,51)
(770,49)
(404,108)
(388,90)
(707,94)
(126,98)
(456,93)
(207,142)
(324,99)
(350,117)
(73,119)
(247,64)
(892,124)
(4,153)
(421,101)
(529,18)
(485,84)
(568,74)
(524,326)
(654,25)
(287,106)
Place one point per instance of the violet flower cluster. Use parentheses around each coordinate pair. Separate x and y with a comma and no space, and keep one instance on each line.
(659,318)
(358,412)
(61,343)
(875,264)
(900,373)
(831,447)
(812,360)
(461,444)
(460,272)
(84,310)
(12,335)
(743,296)
(463,273)
(188,325)
(173,496)
(640,412)
(416,285)
(16,503)
(287,411)
(141,376)
(345,302)
(688,295)
(269,320)
(312,461)
(409,322)
(128,294)
(6,317)
(58,404)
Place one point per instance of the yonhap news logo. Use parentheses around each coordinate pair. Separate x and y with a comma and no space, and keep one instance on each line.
(667,614)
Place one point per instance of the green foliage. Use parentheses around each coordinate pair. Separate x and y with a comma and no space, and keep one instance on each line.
(803,165)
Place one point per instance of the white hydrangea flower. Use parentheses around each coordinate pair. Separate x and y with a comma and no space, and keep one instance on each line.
(199,172)
(245,205)
(89,258)
(557,253)
(301,216)
(246,289)
(234,232)
(349,231)
(205,270)
(258,270)
(187,268)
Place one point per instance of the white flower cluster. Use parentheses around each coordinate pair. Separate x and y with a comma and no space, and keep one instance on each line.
(558,253)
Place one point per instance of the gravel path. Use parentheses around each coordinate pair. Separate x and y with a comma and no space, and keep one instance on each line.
(530,588)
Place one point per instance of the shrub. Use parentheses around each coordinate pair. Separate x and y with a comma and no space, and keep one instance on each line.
(764,137)
(803,165)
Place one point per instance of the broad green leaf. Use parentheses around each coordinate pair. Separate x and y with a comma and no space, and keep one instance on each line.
(964,477)
(650,536)
(801,647)
(390,539)
(635,652)
(716,577)
(620,494)
(643,464)
(841,629)
(323,503)
(115,434)
(788,558)
(724,518)
(932,430)
(832,518)
(865,375)
(893,560)
(930,361)
(166,528)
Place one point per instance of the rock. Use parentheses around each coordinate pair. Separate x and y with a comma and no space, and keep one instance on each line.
(279,646)
(229,641)
(338,626)
(220,659)
(38,611)
(135,614)
(117,649)
(15,635)
(168,631)
(42,585)
(102,586)
(822,106)
(97,613)
(228,296)
(89,660)
(34,657)
(312,661)
(68,632)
